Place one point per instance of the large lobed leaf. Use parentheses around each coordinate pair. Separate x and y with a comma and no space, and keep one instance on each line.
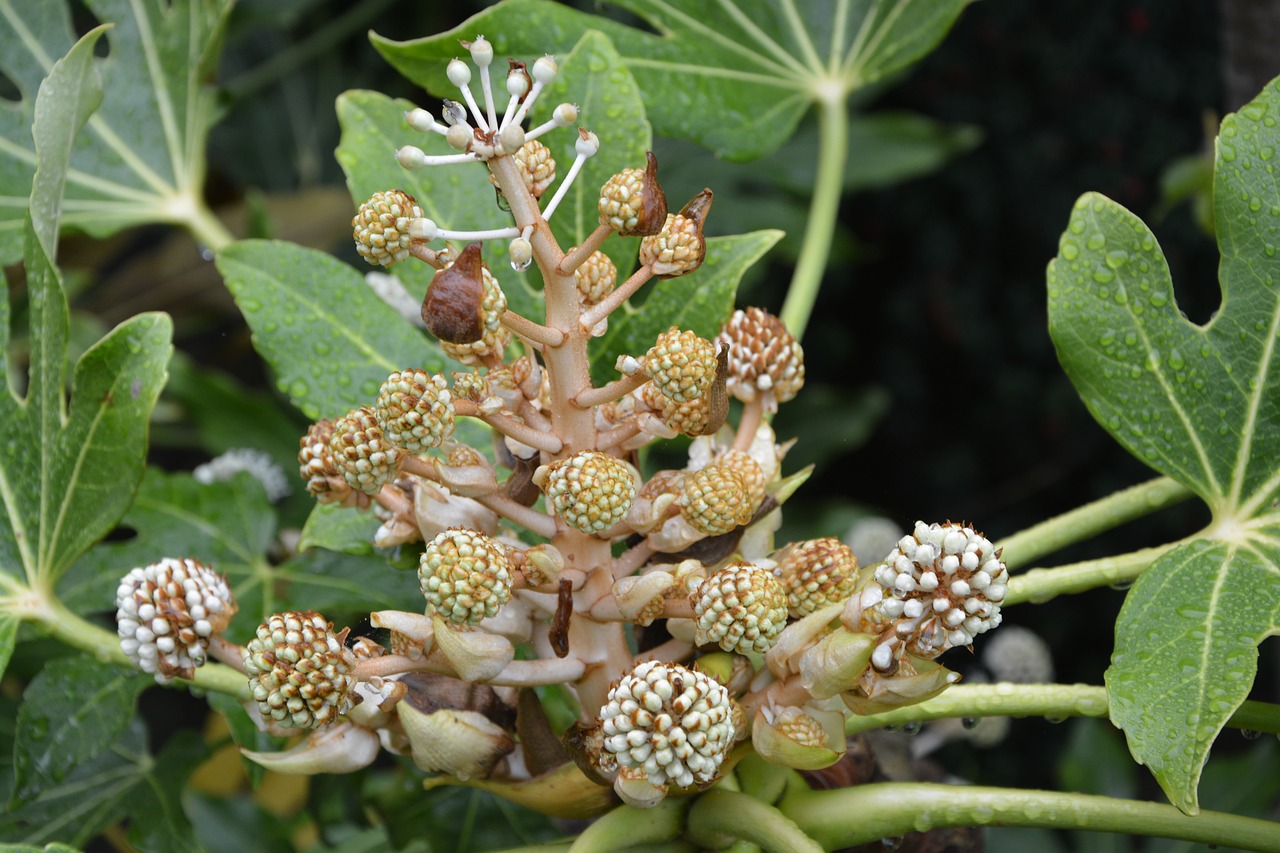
(142,159)
(1200,403)
(733,75)
(68,468)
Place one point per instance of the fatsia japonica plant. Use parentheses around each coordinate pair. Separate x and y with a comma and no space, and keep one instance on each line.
(550,614)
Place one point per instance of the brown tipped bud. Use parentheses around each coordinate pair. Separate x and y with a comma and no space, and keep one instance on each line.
(453,309)
(653,201)
(678,248)
(518,69)
(632,202)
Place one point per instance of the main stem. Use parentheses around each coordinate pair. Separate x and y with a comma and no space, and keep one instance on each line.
(852,816)
(833,156)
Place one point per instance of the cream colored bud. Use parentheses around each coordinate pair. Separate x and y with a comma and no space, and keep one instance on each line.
(512,138)
(474,655)
(460,136)
(458,72)
(481,51)
(545,69)
(420,120)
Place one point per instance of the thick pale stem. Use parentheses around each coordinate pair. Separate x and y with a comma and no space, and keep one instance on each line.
(615,390)
(1091,519)
(719,815)
(828,186)
(632,559)
(851,816)
(1052,701)
(615,298)
(579,254)
(512,428)
(532,331)
(752,414)
(616,437)
(228,652)
(671,650)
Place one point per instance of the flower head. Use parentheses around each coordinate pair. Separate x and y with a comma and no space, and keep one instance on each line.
(299,670)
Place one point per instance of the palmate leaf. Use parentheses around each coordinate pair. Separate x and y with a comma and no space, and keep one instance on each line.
(733,75)
(68,468)
(1200,403)
(229,525)
(141,159)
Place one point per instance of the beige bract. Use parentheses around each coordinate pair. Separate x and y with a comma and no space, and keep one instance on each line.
(741,608)
(673,724)
(299,670)
(764,358)
(167,611)
(415,410)
(465,576)
(381,227)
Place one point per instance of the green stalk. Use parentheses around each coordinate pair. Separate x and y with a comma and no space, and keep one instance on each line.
(852,816)
(207,229)
(626,826)
(719,815)
(1040,585)
(833,155)
(1053,701)
(1091,519)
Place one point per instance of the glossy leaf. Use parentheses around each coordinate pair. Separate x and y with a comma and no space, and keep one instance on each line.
(122,781)
(330,340)
(68,467)
(700,301)
(141,159)
(1195,402)
(71,712)
(733,75)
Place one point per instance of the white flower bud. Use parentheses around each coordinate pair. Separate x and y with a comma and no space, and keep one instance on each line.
(481,52)
(458,72)
(545,69)
(420,120)
(512,138)
(565,115)
(411,157)
(460,136)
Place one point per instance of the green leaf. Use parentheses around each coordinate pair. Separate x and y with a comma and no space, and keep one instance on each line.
(329,338)
(123,781)
(8,637)
(27,848)
(68,468)
(596,78)
(700,301)
(733,75)
(142,159)
(71,712)
(339,528)
(1195,402)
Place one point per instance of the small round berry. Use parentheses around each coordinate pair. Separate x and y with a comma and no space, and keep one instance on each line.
(324,481)
(681,364)
(714,500)
(299,670)
(415,410)
(465,576)
(381,227)
(596,277)
(591,491)
(167,611)
(741,608)
(673,724)
(678,249)
(764,358)
(537,167)
(361,452)
(816,573)
(940,587)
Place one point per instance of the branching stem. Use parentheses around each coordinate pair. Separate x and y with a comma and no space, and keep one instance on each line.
(615,298)
(579,254)
(718,815)
(615,390)
(536,332)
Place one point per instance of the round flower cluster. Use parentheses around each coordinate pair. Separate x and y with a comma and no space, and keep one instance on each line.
(742,608)
(361,452)
(816,573)
(299,671)
(381,227)
(940,587)
(672,723)
(465,576)
(167,611)
(681,365)
(764,358)
(415,410)
(591,491)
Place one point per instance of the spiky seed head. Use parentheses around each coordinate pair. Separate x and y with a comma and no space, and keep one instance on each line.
(465,576)
(714,501)
(764,358)
(678,249)
(741,608)
(299,670)
(167,611)
(415,410)
(596,277)
(940,587)
(591,491)
(381,227)
(324,481)
(681,364)
(673,724)
(816,573)
(537,167)
(361,452)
